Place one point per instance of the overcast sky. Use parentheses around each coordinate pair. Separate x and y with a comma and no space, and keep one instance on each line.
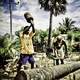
(41,18)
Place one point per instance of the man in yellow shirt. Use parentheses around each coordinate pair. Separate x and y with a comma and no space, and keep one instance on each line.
(26,43)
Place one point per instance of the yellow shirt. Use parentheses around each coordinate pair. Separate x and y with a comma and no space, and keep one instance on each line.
(26,43)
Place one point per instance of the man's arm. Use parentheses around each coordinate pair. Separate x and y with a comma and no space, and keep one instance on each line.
(66,54)
(32,25)
(55,49)
(32,33)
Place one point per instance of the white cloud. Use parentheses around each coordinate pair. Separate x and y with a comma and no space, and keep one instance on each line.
(41,18)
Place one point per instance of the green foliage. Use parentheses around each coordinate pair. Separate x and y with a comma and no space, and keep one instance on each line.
(38,39)
(77,38)
(17,32)
(55,6)
(69,36)
(55,33)
(61,29)
(73,40)
(6,47)
(76,29)
(67,25)
(43,34)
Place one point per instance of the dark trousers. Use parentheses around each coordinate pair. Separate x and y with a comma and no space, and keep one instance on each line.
(61,60)
(23,60)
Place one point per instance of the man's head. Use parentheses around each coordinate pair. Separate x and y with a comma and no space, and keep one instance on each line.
(26,29)
(59,38)
(28,17)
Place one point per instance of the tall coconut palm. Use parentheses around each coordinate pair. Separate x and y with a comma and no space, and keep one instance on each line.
(55,7)
(67,24)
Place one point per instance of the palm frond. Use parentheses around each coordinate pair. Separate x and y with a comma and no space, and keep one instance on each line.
(56,6)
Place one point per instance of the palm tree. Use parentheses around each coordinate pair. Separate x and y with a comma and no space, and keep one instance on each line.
(67,24)
(55,7)
(61,30)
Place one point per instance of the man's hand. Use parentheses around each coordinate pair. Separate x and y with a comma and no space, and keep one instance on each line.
(32,22)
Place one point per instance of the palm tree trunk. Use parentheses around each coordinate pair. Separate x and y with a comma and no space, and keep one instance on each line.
(10,8)
(50,30)
(48,73)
